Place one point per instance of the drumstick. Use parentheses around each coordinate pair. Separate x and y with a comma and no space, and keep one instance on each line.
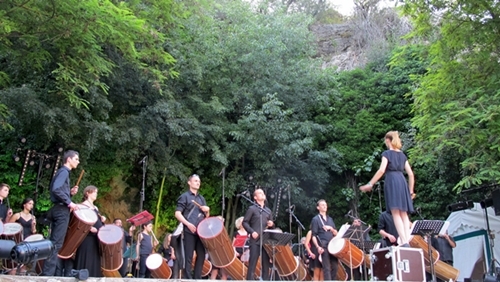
(196,204)
(80,177)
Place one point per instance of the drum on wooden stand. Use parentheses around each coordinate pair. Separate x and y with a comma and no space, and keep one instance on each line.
(417,241)
(110,243)
(80,222)
(346,252)
(214,236)
(444,271)
(158,267)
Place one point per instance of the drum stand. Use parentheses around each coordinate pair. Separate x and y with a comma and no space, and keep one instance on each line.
(274,239)
(428,228)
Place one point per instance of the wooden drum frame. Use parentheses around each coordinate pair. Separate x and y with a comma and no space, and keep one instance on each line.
(110,243)
(79,226)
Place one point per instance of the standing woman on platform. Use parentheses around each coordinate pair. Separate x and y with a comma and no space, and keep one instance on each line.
(87,255)
(397,192)
(25,218)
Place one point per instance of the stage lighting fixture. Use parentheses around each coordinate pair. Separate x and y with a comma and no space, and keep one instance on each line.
(460,206)
(28,252)
(486,203)
(5,248)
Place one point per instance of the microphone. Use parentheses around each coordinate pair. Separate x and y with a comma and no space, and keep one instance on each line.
(244,193)
(418,209)
(290,209)
(347,215)
(143,160)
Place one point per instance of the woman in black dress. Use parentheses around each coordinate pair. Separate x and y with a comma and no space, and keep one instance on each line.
(88,255)
(25,218)
(397,192)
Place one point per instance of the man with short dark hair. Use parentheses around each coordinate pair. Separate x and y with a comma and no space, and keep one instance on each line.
(256,220)
(5,210)
(190,215)
(387,230)
(60,195)
(323,230)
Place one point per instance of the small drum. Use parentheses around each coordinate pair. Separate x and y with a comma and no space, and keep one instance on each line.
(13,231)
(418,242)
(284,260)
(346,252)
(111,273)
(79,226)
(341,273)
(444,271)
(215,239)
(158,267)
(110,243)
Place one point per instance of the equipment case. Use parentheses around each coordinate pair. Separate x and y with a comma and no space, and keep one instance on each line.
(397,264)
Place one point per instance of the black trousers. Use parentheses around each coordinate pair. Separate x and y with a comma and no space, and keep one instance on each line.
(193,243)
(60,220)
(255,251)
(330,265)
(144,272)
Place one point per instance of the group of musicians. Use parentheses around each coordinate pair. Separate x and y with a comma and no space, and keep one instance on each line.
(190,211)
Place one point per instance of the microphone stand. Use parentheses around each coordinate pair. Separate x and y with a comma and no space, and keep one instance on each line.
(362,243)
(261,209)
(299,229)
(144,166)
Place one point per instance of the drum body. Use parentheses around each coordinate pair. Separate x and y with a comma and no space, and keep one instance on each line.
(111,273)
(341,273)
(237,270)
(79,226)
(417,241)
(207,266)
(346,252)
(245,258)
(301,274)
(216,240)
(110,243)
(158,267)
(444,271)
(284,260)
(13,231)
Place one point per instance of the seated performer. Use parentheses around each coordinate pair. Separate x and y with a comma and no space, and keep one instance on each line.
(387,230)
(257,218)
(190,215)
(323,230)
(25,218)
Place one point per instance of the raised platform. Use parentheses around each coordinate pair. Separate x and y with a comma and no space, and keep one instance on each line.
(15,278)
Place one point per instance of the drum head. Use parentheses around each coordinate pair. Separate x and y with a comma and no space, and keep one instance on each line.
(336,245)
(1,227)
(154,261)
(34,237)
(12,228)
(210,227)
(110,234)
(86,214)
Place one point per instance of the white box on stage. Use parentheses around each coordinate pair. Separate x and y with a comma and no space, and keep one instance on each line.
(397,264)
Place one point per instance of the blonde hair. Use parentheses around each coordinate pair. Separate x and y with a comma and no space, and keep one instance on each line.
(393,136)
(238,222)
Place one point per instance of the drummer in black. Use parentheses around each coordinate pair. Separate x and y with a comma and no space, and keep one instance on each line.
(387,230)
(257,218)
(323,230)
(190,215)
(5,210)
(60,195)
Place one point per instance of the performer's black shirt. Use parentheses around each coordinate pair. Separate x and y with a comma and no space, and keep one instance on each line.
(3,209)
(252,221)
(185,205)
(322,236)
(386,223)
(59,188)
(444,248)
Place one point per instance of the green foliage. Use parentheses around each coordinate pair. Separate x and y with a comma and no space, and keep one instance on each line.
(456,102)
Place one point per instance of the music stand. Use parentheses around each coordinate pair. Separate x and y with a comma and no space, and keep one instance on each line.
(429,228)
(276,239)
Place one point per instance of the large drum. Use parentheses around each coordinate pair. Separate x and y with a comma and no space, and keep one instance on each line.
(418,242)
(110,243)
(237,270)
(341,273)
(12,231)
(444,271)
(207,266)
(214,236)
(284,260)
(79,226)
(111,273)
(300,275)
(158,267)
(346,252)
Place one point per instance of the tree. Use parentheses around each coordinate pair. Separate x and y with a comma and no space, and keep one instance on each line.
(456,102)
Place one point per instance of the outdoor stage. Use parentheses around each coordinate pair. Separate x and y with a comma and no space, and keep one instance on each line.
(13,278)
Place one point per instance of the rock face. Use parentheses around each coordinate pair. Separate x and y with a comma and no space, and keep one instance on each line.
(335,45)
